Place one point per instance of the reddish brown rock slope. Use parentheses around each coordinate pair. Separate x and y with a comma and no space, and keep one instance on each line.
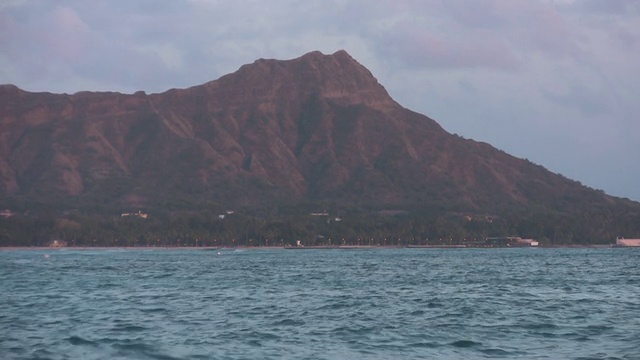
(319,127)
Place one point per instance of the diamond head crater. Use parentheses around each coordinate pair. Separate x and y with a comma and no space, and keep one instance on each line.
(304,152)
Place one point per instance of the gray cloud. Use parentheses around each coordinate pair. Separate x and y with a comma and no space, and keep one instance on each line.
(615,7)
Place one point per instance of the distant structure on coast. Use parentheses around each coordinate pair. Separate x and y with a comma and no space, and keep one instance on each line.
(505,241)
(627,242)
(139,214)
(57,243)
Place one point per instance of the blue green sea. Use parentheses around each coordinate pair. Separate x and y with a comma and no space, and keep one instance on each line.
(523,303)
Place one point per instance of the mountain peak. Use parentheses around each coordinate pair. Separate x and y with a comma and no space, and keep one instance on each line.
(336,76)
(9,89)
(340,55)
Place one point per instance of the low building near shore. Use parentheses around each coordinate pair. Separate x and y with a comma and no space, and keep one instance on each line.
(627,242)
(510,241)
(529,242)
(139,214)
(57,243)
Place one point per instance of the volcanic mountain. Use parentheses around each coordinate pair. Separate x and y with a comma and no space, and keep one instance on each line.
(316,129)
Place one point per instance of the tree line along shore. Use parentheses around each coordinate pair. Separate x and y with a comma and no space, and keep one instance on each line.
(357,229)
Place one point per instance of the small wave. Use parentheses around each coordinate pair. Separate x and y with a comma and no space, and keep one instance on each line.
(496,352)
(335,306)
(22,261)
(108,285)
(424,345)
(598,329)
(103,268)
(134,347)
(128,328)
(353,331)
(465,344)
(262,336)
(433,305)
(289,322)
(162,276)
(540,326)
(254,343)
(547,335)
(139,350)
(77,340)
(153,310)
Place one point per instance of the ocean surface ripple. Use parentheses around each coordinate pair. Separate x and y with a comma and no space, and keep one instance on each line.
(320,304)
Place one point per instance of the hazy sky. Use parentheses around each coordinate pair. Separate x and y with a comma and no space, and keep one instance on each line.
(557,82)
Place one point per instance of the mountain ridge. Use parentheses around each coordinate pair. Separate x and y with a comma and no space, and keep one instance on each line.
(315,128)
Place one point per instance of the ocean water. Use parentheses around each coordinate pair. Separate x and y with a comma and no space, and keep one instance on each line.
(320,304)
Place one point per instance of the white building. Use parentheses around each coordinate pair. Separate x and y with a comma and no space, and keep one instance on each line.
(628,242)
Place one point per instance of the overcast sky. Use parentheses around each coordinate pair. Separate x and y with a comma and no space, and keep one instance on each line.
(556,82)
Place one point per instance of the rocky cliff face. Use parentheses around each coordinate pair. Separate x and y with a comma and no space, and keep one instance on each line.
(316,128)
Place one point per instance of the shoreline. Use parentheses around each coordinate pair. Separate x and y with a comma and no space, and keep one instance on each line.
(346,247)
